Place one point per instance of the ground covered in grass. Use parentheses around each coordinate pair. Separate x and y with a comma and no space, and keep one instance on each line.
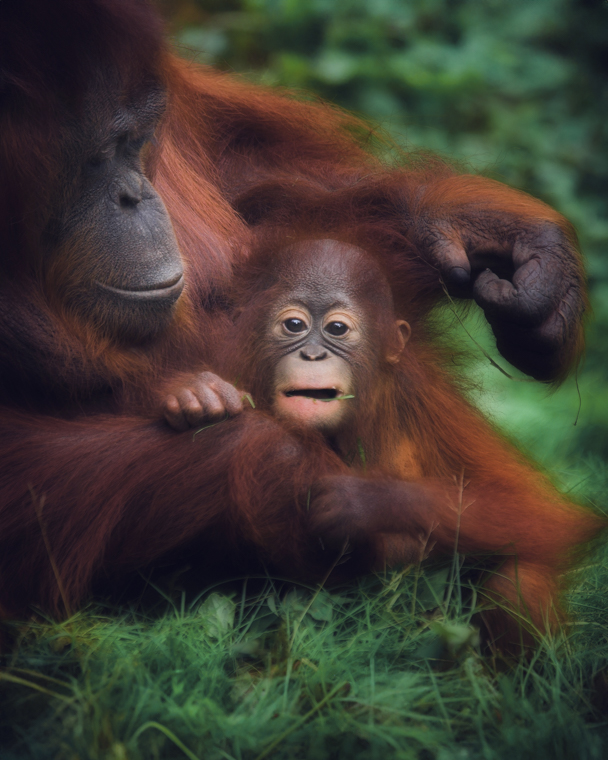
(389,668)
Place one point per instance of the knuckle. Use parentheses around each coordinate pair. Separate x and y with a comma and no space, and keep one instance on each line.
(216,400)
(171,405)
(192,402)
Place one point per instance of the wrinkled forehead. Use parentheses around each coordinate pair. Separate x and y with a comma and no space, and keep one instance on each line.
(329,270)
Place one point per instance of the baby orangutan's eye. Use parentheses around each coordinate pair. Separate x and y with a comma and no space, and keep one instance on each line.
(336,328)
(294,325)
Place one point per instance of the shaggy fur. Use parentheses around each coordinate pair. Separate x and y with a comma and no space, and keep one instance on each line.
(90,483)
(436,477)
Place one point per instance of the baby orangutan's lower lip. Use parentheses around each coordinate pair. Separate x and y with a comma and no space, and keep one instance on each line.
(312,407)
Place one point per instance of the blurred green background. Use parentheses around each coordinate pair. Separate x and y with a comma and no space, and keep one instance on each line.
(515,90)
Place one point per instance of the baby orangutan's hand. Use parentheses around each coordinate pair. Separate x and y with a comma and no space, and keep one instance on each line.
(202,397)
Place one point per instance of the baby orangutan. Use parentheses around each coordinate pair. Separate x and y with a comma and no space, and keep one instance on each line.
(321,346)
(317,342)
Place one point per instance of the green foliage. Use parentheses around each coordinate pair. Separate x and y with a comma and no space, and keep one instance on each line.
(515,88)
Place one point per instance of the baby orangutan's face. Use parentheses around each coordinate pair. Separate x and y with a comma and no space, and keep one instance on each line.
(324,336)
(314,378)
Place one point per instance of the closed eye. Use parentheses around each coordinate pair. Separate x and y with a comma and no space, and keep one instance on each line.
(94,162)
(137,144)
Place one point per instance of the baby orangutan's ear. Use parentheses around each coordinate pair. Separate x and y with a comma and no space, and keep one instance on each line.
(401,337)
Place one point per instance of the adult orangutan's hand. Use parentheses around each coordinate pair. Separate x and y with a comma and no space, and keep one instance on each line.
(517,258)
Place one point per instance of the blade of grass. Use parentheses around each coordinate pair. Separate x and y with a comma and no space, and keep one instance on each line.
(300,722)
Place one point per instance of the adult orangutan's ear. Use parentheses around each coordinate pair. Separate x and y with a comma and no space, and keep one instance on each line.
(402,335)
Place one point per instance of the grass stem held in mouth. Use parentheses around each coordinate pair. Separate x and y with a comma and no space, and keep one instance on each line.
(321,394)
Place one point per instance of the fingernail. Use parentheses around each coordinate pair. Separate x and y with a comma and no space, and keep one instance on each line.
(459,276)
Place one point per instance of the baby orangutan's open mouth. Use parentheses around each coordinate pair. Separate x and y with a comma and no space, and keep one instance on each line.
(323,394)
(318,408)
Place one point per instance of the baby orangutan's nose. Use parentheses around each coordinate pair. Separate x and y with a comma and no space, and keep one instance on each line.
(313,353)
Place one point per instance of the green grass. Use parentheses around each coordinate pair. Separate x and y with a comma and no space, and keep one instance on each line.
(388,668)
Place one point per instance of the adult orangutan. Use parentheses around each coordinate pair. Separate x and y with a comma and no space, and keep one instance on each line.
(318,342)
(128,178)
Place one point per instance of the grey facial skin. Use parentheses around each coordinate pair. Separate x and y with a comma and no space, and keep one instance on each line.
(111,230)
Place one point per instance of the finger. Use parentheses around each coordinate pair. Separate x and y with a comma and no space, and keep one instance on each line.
(494,295)
(531,299)
(548,351)
(191,407)
(173,414)
(563,326)
(204,406)
(231,397)
(528,301)
(450,257)
(547,277)
(323,514)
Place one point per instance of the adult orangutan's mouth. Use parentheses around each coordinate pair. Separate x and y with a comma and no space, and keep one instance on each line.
(170,290)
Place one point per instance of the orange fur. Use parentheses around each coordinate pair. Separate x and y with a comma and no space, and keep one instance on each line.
(80,446)
(456,485)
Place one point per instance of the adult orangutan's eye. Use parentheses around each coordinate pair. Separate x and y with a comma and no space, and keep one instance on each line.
(295,325)
(336,328)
